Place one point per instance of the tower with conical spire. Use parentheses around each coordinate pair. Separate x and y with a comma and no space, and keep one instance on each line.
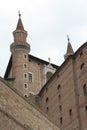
(20,49)
(69,49)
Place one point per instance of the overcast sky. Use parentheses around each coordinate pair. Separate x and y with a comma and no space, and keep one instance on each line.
(48,22)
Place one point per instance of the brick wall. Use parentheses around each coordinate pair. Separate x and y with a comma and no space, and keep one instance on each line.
(22,111)
(63,97)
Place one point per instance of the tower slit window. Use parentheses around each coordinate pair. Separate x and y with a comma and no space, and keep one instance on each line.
(47,109)
(85,89)
(70,112)
(25,75)
(25,56)
(25,66)
(60,108)
(86,108)
(61,120)
(47,99)
(59,87)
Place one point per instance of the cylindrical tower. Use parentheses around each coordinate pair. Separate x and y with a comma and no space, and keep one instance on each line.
(20,49)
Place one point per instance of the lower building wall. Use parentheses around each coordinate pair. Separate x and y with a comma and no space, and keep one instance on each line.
(21,111)
(8,122)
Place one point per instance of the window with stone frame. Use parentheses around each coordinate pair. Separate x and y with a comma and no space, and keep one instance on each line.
(25,65)
(25,75)
(25,85)
(30,77)
(26,95)
(25,56)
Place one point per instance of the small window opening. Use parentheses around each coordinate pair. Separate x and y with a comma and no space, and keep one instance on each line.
(25,95)
(25,65)
(47,109)
(86,108)
(47,99)
(25,56)
(70,112)
(61,120)
(25,75)
(59,86)
(25,86)
(29,60)
(85,89)
(38,63)
(60,108)
(82,66)
(81,53)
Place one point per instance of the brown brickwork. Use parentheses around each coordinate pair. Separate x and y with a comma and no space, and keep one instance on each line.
(66,104)
(63,98)
(22,64)
(17,113)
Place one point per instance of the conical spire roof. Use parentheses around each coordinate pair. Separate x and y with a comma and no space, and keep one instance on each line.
(69,49)
(20,34)
(19,25)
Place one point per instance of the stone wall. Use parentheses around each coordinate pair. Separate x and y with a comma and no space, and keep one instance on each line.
(20,112)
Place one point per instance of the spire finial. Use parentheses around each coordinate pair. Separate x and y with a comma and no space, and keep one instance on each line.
(68,38)
(19,14)
(49,59)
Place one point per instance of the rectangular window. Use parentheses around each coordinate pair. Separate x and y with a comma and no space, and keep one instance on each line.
(31,77)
